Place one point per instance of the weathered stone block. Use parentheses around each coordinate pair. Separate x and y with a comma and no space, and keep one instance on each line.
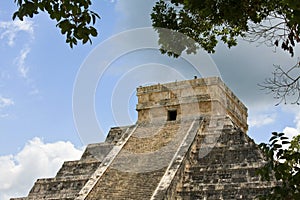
(189,143)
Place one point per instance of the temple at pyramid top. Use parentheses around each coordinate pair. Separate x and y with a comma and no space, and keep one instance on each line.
(190,98)
(189,142)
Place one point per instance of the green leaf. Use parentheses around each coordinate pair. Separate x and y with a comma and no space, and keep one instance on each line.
(280,134)
(93,32)
(277,146)
(273,138)
(85,40)
(275,133)
(274,141)
(15,15)
(284,138)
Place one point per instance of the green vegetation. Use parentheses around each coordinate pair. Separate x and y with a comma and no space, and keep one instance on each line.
(284,164)
(275,22)
(73,17)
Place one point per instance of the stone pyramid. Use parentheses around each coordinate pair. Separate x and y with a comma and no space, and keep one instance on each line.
(189,142)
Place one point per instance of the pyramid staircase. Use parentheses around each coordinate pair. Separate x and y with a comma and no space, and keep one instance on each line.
(189,143)
(228,171)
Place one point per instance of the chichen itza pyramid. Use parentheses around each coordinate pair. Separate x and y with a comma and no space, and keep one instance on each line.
(189,143)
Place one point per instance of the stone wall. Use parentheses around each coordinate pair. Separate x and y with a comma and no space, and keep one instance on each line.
(190,98)
(189,143)
(225,169)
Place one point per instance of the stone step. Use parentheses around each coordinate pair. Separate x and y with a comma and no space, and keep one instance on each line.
(228,186)
(231,138)
(208,168)
(57,188)
(143,141)
(118,185)
(118,134)
(231,194)
(77,168)
(226,171)
(96,152)
(138,168)
(228,155)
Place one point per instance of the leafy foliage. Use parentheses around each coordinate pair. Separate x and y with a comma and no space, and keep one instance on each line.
(273,21)
(284,164)
(73,17)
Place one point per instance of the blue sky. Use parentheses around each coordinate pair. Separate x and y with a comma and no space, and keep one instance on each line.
(38,72)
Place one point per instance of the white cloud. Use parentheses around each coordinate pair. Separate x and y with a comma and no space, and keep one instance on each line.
(23,69)
(4,116)
(20,61)
(261,120)
(290,132)
(5,102)
(297,121)
(293,131)
(36,159)
(10,29)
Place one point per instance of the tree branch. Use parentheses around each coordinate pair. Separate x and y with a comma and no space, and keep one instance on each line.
(284,84)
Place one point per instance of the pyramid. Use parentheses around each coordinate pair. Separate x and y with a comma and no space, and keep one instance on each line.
(189,142)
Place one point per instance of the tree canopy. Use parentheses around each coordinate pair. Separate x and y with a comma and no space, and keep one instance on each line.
(275,22)
(283,163)
(73,17)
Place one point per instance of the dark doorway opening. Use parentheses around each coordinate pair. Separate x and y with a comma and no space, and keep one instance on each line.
(172,114)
